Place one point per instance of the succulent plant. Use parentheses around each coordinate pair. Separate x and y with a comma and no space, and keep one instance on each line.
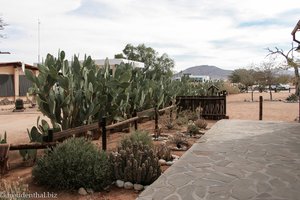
(136,163)
(192,129)
(163,152)
(201,123)
(179,140)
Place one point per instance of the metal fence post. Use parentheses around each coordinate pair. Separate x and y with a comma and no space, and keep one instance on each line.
(260,107)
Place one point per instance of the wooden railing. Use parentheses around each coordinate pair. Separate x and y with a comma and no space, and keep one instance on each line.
(53,138)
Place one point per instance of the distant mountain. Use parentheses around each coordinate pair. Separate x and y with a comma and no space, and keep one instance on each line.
(206,70)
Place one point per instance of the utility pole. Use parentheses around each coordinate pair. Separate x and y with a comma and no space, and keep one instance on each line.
(39,41)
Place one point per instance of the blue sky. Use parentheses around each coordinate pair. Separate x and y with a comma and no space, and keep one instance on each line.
(229,34)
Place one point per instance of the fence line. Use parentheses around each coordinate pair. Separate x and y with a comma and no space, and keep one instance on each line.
(78,131)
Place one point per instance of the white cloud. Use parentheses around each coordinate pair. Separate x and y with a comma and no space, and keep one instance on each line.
(227,34)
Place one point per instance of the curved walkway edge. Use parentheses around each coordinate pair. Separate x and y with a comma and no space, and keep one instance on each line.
(235,160)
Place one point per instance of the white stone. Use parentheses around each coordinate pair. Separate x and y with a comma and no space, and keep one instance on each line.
(82,191)
(120,183)
(128,185)
(169,163)
(138,187)
(162,162)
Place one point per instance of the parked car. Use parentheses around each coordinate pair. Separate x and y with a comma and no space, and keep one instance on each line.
(279,87)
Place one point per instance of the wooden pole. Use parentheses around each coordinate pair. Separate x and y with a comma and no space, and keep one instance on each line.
(103,125)
(260,107)
(299,108)
(50,135)
(156,121)
(135,121)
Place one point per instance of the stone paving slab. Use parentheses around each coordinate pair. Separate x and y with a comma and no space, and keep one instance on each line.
(236,160)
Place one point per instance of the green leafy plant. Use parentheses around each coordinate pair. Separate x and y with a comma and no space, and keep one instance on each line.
(35,135)
(73,164)
(4,140)
(137,137)
(135,162)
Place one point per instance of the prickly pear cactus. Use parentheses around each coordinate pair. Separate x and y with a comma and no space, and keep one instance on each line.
(136,163)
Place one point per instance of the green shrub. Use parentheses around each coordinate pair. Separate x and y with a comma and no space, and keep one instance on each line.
(292,98)
(137,137)
(73,164)
(135,162)
(192,129)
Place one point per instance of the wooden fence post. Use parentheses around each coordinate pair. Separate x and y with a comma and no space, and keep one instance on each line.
(102,124)
(50,135)
(171,115)
(260,107)
(135,122)
(156,121)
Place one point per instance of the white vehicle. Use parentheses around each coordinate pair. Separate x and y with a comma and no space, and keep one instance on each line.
(283,87)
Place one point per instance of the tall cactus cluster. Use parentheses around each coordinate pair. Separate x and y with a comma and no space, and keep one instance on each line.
(75,93)
(136,163)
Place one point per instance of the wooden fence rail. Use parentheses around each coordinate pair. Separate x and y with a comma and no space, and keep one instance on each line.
(54,137)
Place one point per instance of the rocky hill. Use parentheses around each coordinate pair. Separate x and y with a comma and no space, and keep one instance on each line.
(207,70)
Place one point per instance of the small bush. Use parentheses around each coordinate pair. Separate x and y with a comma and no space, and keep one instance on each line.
(137,137)
(292,98)
(73,164)
(201,123)
(163,152)
(230,89)
(16,188)
(192,129)
(182,120)
(179,140)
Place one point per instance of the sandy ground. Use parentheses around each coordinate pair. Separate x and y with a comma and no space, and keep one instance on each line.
(240,106)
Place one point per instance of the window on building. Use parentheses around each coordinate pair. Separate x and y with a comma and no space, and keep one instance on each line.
(7,85)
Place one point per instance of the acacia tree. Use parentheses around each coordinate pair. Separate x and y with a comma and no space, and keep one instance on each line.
(149,57)
(265,75)
(291,63)
(242,76)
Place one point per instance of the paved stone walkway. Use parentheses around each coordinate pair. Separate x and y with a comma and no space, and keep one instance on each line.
(236,160)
